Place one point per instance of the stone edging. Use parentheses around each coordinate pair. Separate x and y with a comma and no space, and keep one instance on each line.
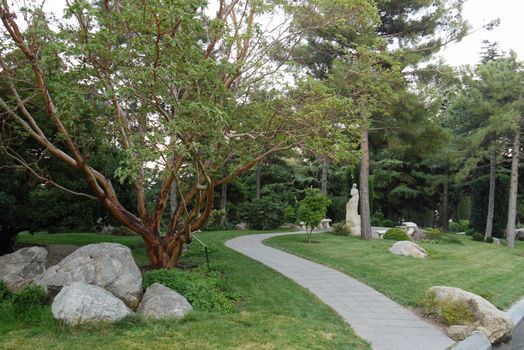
(479,341)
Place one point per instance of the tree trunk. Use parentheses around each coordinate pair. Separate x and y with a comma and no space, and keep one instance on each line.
(512,206)
(257,174)
(324,177)
(491,198)
(365,215)
(223,203)
(172,198)
(444,212)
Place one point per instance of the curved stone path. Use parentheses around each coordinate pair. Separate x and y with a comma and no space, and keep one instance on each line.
(373,316)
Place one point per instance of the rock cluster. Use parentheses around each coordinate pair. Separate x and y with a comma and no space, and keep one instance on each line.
(97,282)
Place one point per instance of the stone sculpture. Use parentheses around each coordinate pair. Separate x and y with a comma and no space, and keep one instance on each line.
(352,217)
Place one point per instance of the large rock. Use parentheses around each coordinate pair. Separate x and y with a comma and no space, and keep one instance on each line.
(162,302)
(80,303)
(486,317)
(107,265)
(408,248)
(19,268)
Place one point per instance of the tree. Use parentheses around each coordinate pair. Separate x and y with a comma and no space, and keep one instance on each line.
(175,90)
(312,209)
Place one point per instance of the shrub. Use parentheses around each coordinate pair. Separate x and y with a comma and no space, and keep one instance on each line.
(29,298)
(263,214)
(449,311)
(396,234)
(200,289)
(216,221)
(388,223)
(454,227)
(377,219)
(477,236)
(434,234)
(5,293)
(340,229)
(489,240)
(470,231)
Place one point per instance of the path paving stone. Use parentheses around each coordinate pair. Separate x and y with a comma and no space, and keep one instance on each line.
(374,317)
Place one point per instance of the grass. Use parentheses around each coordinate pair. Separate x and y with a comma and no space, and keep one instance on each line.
(492,271)
(273,313)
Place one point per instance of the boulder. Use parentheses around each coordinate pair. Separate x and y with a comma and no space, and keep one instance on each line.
(80,303)
(408,248)
(241,226)
(486,317)
(162,302)
(19,268)
(496,240)
(418,234)
(107,265)
(459,332)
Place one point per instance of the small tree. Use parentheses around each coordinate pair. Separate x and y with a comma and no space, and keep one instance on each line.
(312,209)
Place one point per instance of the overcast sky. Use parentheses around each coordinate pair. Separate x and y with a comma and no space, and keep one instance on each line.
(478,13)
(508,33)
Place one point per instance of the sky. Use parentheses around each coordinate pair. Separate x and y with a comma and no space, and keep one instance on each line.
(508,33)
(477,12)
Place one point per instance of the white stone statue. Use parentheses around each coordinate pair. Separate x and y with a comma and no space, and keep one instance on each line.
(352,217)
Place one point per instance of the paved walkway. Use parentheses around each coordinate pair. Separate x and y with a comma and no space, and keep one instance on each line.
(373,316)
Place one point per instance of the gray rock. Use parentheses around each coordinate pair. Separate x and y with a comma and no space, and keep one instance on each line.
(80,303)
(107,265)
(162,302)
(408,248)
(19,268)
(476,341)
(241,226)
(419,234)
(495,324)
(459,332)
(496,240)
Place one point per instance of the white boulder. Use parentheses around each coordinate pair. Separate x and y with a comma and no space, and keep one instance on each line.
(81,303)
(19,268)
(486,317)
(408,248)
(162,302)
(107,265)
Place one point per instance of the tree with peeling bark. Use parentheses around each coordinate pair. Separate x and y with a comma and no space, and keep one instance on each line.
(173,86)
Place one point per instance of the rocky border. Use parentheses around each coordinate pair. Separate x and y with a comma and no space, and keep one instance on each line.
(479,341)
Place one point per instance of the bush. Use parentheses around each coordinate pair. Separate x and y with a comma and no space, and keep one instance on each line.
(289,214)
(459,226)
(216,221)
(449,311)
(377,219)
(388,223)
(200,289)
(434,234)
(264,213)
(396,234)
(477,236)
(470,231)
(5,293)
(489,240)
(29,298)
(312,209)
(340,229)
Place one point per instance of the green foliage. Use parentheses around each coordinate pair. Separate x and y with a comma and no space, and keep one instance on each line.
(201,289)
(479,204)
(312,209)
(289,214)
(264,213)
(340,229)
(477,236)
(4,292)
(396,234)
(470,231)
(459,226)
(29,298)
(450,311)
(216,221)
(489,240)
(434,233)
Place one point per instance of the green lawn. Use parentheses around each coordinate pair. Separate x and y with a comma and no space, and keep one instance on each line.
(273,313)
(493,271)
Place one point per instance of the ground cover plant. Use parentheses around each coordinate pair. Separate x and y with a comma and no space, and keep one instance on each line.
(492,271)
(268,312)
